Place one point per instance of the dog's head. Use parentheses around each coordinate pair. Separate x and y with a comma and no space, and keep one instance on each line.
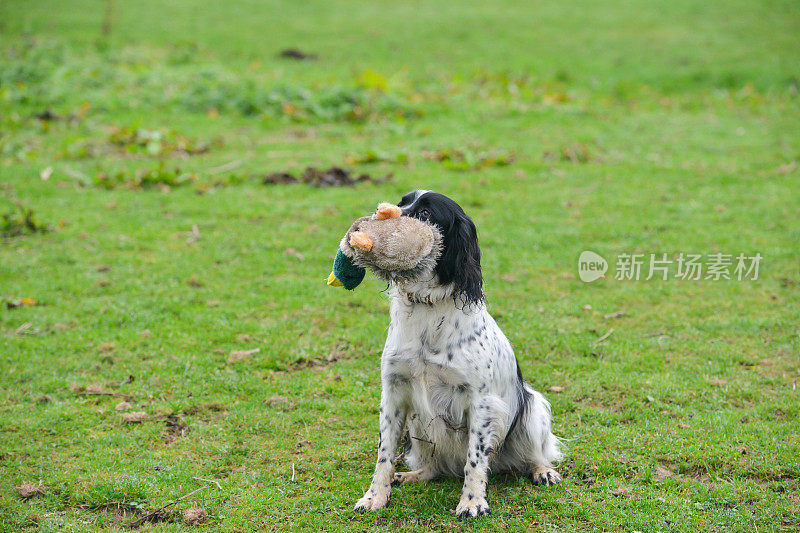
(460,262)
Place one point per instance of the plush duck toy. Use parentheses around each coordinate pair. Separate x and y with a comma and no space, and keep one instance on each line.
(394,247)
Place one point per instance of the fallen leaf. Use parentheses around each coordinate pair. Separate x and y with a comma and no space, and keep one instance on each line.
(46,173)
(683,426)
(556,388)
(135,417)
(650,399)
(20,302)
(106,347)
(194,235)
(194,282)
(587,307)
(212,303)
(103,268)
(621,491)
(303,442)
(239,355)
(509,278)
(615,314)
(25,329)
(122,406)
(717,382)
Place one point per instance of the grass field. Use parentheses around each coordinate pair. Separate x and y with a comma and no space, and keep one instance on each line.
(136,139)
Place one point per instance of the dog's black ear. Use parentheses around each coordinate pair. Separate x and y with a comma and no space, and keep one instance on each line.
(461,261)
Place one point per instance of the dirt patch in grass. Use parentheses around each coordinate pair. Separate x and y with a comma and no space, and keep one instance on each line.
(770,477)
(469,159)
(319,178)
(297,55)
(122,516)
(29,490)
(211,407)
(194,516)
(174,428)
(338,352)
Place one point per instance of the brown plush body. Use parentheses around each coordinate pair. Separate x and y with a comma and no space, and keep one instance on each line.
(395,249)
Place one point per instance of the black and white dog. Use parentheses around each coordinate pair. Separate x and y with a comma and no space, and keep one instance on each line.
(451,383)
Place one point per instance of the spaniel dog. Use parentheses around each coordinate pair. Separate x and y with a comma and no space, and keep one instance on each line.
(451,386)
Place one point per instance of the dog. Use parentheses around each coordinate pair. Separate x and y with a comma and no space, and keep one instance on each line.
(452,388)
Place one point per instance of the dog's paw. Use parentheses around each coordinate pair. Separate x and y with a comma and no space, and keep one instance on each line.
(372,501)
(402,477)
(472,507)
(411,477)
(546,476)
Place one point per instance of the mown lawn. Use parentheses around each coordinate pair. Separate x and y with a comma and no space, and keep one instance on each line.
(155,254)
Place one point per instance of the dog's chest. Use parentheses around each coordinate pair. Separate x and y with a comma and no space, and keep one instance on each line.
(424,346)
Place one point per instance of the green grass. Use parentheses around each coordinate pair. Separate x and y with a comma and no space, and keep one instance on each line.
(630,127)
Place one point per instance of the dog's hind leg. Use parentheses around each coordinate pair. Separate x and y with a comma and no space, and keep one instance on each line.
(532,447)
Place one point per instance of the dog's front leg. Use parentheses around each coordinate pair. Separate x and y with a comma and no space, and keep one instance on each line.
(483,439)
(392,420)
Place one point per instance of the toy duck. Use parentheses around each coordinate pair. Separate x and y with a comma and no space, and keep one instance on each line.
(394,247)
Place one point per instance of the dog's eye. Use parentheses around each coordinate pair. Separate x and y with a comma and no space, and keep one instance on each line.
(424,213)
